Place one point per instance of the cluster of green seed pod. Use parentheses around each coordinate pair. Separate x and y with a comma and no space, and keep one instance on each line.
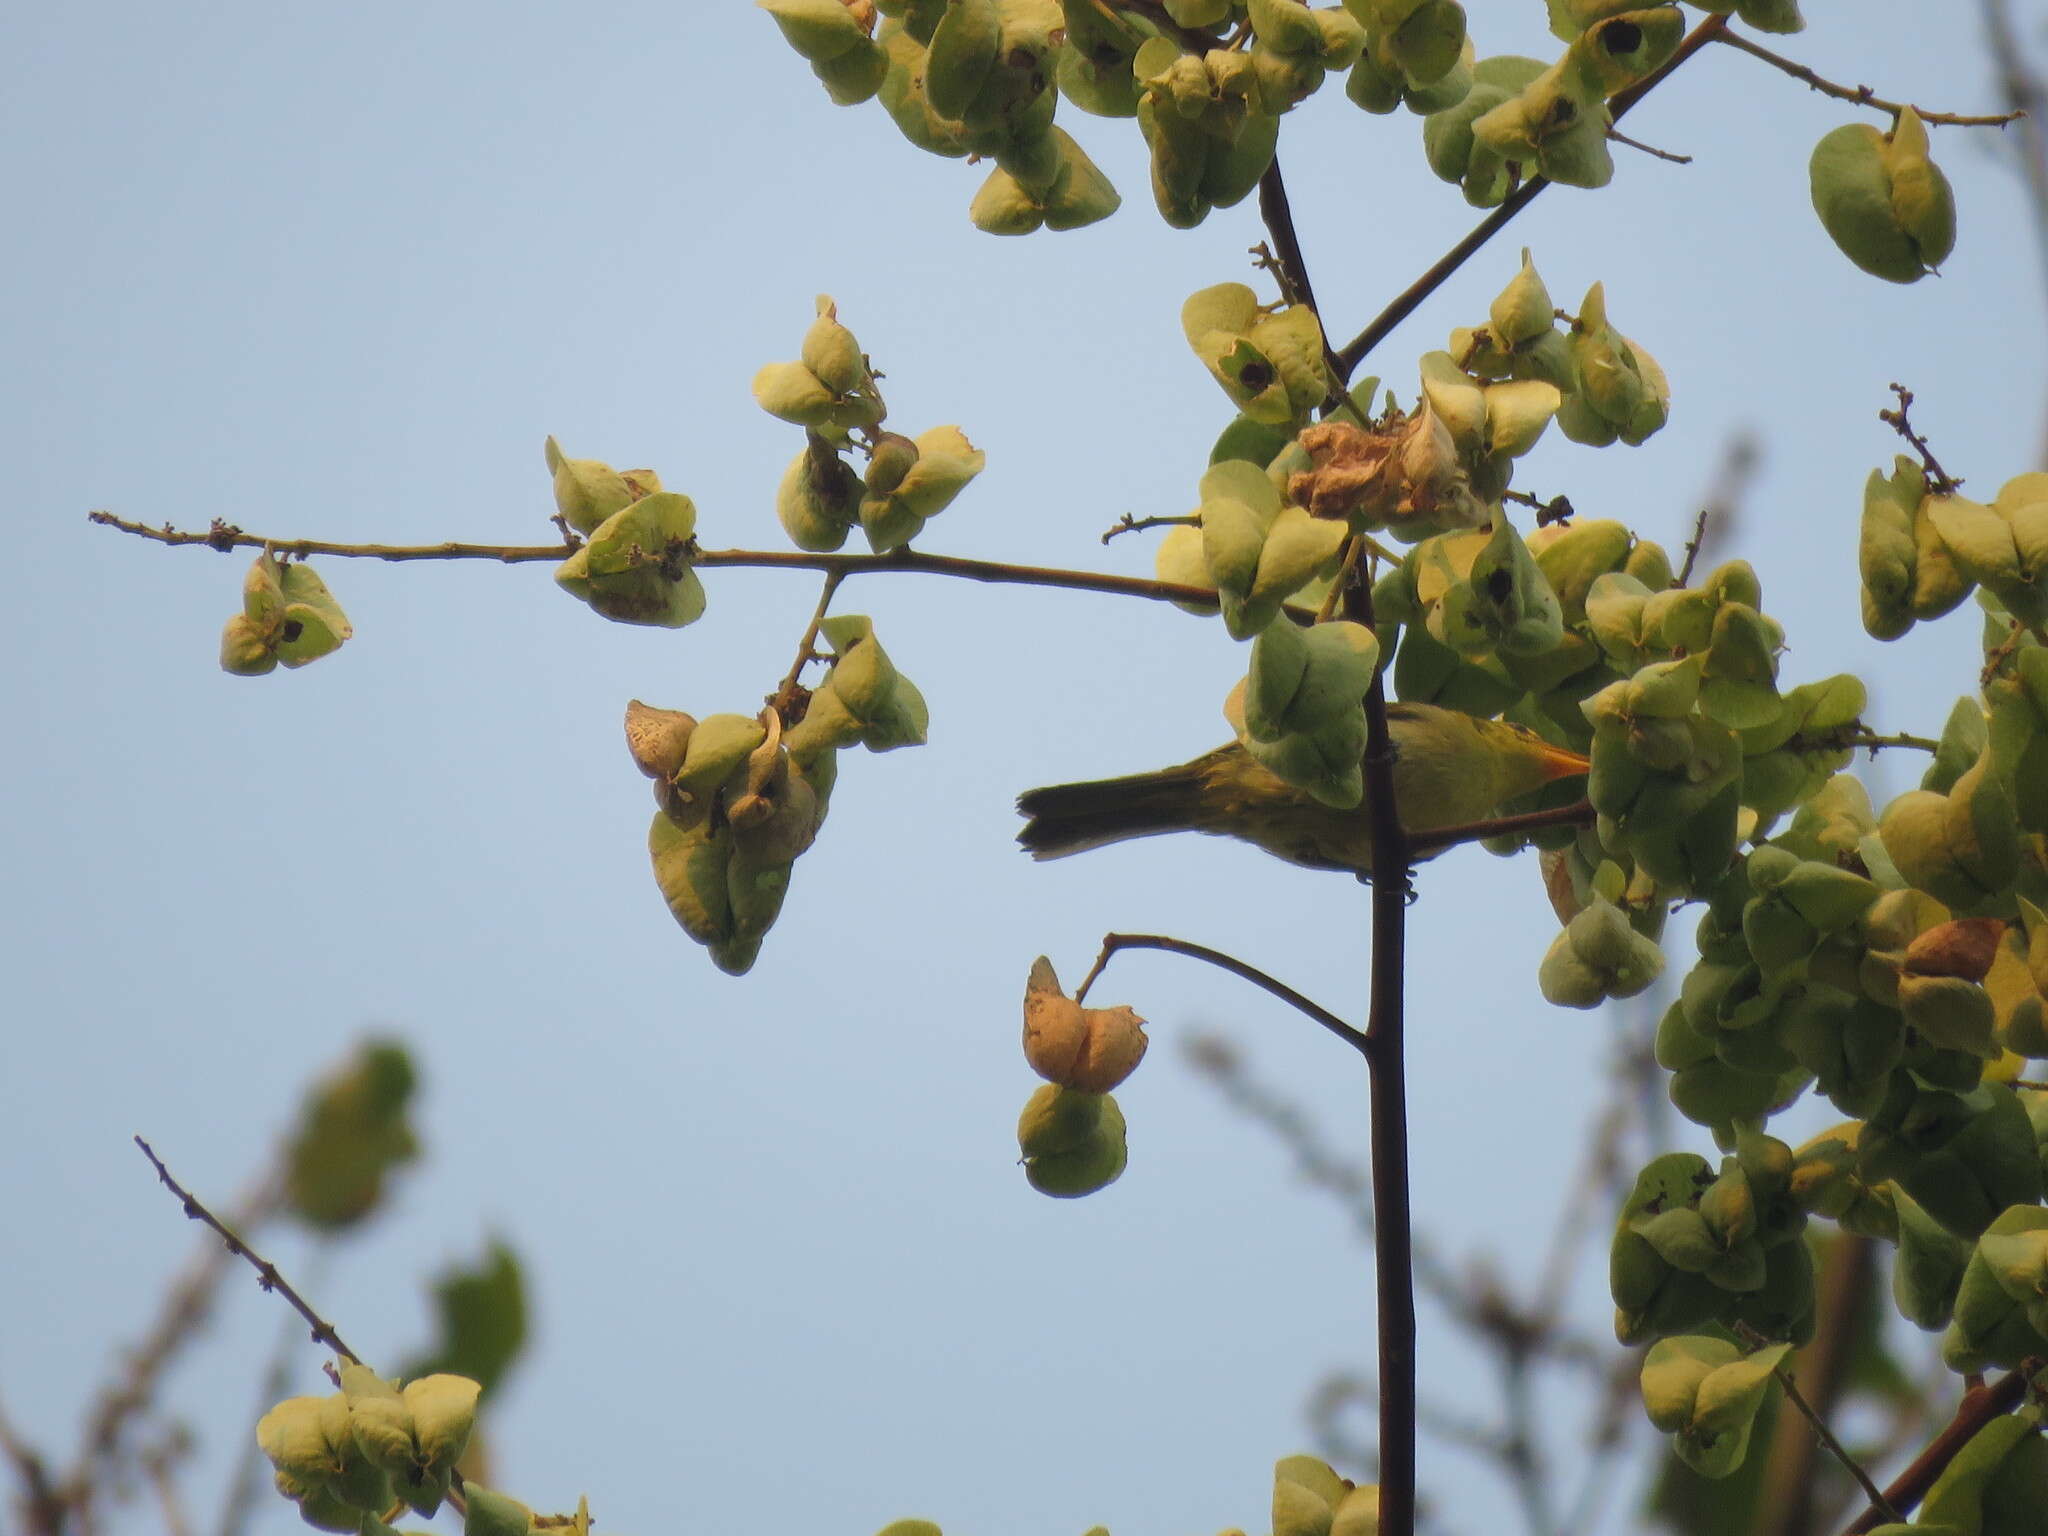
(1695,1245)
(1882,200)
(741,798)
(830,392)
(1300,710)
(350,1459)
(288,616)
(1071,1133)
(1416,55)
(1924,550)
(633,565)
(1897,964)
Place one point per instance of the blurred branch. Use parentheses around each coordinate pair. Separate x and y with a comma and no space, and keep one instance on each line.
(185,1307)
(2021,85)
(41,1504)
(1721,515)
(1860,95)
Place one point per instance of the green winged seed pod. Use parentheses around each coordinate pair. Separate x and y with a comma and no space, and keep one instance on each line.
(1621,392)
(1998,1320)
(1325,762)
(1598,955)
(1553,127)
(1073,1143)
(820,30)
(1962,848)
(903,96)
(2002,547)
(1614,53)
(1304,680)
(1882,200)
(287,616)
(831,354)
(1705,1393)
(1270,363)
(1072,192)
(1258,552)
(1573,556)
(587,491)
(962,55)
(634,568)
(1408,44)
(1449,142)
(305,1438)
(1929,1267)
(1523,310)
(818,500)
(863,699)
(494,1514)
(689,867)
(443,1414)
(945,462)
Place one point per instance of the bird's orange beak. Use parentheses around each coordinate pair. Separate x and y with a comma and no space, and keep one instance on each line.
(1561,763)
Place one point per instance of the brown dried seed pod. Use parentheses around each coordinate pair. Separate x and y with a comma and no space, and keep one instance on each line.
(1089,1049)
(1963,947)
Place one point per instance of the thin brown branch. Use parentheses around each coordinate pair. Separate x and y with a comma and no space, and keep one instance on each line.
(1130,524)
(1616,136)
(1113,942)
(1860,95)
(1578,814)
(1692,550)
(267,1274)
(226,537)
(991,571)
(1815,1421)
(41,1503)
(1938,479)
(1355,351)
(783,699)
(1846,1287)
(1980,1405)
(1874,742)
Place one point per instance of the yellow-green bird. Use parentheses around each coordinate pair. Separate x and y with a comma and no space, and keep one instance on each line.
(1450,768)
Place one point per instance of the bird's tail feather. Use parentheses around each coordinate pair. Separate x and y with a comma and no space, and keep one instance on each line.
(1072,818)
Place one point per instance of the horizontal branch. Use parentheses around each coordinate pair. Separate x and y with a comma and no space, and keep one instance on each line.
(1579,814)
(1861,95)
(225,537)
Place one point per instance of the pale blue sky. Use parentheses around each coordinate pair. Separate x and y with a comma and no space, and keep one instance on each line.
(336,274)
